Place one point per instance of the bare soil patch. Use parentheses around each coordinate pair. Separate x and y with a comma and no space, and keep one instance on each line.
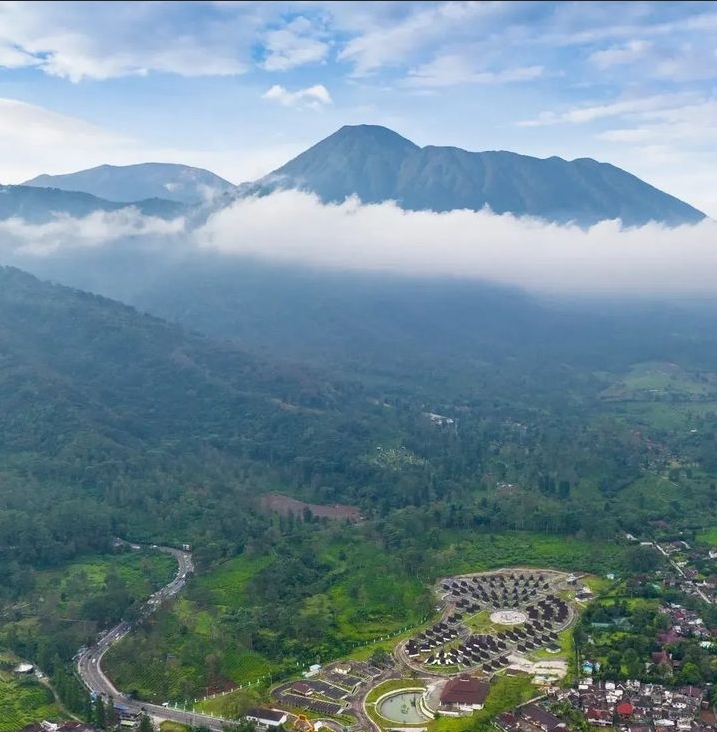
(286,505)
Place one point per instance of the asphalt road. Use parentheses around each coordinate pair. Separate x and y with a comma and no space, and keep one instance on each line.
(89,663)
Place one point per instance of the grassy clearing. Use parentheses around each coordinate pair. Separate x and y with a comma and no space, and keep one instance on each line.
(479,552)
(567,649)
(173,727)
(233,704)
(708,536)
(227,583)
(481,623)
(598,585)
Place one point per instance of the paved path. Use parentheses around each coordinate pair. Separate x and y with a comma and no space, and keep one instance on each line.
(89,664)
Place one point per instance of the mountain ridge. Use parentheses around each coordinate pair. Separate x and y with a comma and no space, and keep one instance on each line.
(130,183)
(38,205)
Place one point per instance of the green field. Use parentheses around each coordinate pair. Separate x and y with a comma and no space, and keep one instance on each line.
(142,571)
(215,633)
(173,727)
(481,552)
(708,536)
(233,704)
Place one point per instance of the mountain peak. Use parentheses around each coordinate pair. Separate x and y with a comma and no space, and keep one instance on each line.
(377,164)
(370,134)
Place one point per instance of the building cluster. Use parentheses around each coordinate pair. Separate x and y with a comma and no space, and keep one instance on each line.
(539,616)
(330,690)
(640,707)
(496,589)
(683,622)
(629,706)
(531,717)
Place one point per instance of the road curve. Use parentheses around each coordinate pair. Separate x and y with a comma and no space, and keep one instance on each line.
(89,663)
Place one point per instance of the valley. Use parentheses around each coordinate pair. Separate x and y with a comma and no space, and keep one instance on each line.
(358,366)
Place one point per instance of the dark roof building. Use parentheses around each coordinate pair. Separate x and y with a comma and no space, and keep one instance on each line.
(541,718)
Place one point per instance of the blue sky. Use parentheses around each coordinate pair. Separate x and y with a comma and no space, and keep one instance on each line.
(240,87)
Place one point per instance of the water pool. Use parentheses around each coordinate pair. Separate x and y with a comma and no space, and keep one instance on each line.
(402,707)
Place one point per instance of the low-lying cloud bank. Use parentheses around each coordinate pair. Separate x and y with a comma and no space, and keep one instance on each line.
(530,253)
(65,233)
(295,227)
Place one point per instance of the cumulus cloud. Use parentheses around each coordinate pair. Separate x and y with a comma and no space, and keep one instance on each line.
(294,227)
(312,96)
(296,44)
(100,228)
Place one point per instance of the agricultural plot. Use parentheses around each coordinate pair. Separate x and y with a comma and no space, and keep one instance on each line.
(23,701)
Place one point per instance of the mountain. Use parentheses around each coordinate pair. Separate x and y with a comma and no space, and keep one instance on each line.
(128,183)
(40,205)
(377,164)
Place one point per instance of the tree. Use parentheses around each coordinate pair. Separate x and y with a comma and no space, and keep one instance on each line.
(98,713)
(145,724)
(642,559)
(110,712)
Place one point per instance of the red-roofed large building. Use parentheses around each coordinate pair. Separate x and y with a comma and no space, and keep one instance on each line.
(465,693)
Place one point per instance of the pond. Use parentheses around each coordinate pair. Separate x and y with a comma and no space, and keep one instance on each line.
(402,707)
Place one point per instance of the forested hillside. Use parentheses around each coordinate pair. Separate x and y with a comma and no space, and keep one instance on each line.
(115,423)
(142,429)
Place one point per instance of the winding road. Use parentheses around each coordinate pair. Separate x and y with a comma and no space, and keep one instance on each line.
(89,663)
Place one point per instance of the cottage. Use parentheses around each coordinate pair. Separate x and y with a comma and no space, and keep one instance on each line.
(266,717)
(599,717)
(541,718)
(299,687)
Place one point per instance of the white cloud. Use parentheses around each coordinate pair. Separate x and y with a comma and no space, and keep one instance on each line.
(394,43)
(12,57)
(624,107)
(458,69)
(99,40)
(293,226)
(312,96)
(619,55)
(34,139)
(294,45)
(94,231)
